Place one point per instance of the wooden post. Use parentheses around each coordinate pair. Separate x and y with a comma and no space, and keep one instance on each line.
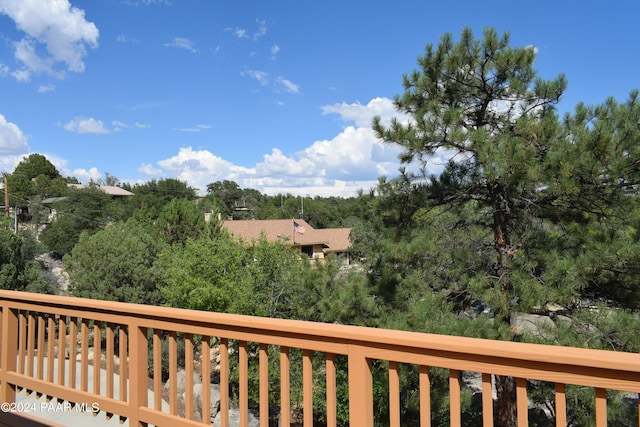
(138,369)
(360,388)
(9,353)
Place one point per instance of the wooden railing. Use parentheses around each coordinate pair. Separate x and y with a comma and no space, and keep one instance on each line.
(42,334)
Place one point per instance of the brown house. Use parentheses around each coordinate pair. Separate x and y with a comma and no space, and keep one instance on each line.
(316,243)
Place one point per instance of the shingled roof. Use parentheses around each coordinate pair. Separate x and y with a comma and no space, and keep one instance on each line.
(111,190)
(334,239)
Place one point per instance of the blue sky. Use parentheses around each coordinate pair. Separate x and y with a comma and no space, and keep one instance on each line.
(275,95)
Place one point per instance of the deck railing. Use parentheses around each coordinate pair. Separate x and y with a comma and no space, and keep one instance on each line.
(41,335)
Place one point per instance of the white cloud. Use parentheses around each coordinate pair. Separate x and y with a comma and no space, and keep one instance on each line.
(340,166)
(198,128)
(119,124)
(21,75)
(280,84)
(46,88)
(182,43)
(362,115)
(260,76)
(199,168)
(150,171)
(85,175)
(141,125)
(287,85)
(86,125)
(56,25)
(275,49)
(240,33)
(122,38)
(262,29)
(12,140)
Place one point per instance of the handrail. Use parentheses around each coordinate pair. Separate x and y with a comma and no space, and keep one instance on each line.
(21,313)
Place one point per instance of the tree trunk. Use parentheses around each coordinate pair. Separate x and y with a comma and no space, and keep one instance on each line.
(507,415)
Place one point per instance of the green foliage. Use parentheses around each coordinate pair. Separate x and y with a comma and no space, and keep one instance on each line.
(205,274)
(87,210)
(34,176)
(179,221)
(152,196)
(529,210)
(275,279)
(11,262)
(18,268)
(116,263)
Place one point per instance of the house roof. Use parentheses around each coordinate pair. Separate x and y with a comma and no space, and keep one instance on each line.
(111,190)
(334,239)
(50,200)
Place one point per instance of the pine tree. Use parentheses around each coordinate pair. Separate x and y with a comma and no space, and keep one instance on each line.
(552,193)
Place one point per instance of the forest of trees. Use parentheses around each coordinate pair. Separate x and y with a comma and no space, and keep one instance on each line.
(534,214)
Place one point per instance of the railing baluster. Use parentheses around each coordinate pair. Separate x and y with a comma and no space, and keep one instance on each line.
(394,395)
(188,370)
(97,355)
(425,397)
(243,365)
(157,370)
(41,346)
(454,398)
(109,361)
(123,357)
(31,341)
(62,348)
(601,407)
(307,387)
(22,341)
(332,403)
(110,338)
(561,405)
(51,339)
(173,373)
(73,342)
(487,400)
(264,385)
(84,355)
(285,387)
(522,402)
(206,378)
(224,382)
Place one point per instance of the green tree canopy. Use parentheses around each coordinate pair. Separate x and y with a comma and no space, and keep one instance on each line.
(205,274)
(181,220)
(551,195)
(34,176)
(149,198)
(87,209)
(116,263)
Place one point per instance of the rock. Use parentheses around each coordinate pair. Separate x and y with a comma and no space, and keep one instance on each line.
(533,324)
(554,308)
(182,381)
(214,399)
(234,419)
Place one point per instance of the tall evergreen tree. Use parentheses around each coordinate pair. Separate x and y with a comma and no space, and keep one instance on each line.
(537,183)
